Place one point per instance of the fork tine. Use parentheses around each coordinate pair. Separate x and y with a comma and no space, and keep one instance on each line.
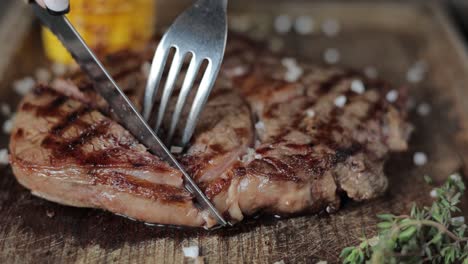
(154,79)
(200,99)
(188,84)
(169,86)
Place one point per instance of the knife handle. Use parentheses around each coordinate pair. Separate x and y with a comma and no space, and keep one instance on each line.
(54,7)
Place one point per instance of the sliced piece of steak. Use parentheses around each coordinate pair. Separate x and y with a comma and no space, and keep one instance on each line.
(262,144)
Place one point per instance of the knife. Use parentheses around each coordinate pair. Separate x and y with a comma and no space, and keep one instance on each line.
(122,108)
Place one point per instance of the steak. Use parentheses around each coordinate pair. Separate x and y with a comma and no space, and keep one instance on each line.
(264,143)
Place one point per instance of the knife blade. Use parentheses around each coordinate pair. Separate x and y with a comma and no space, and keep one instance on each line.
(122,108)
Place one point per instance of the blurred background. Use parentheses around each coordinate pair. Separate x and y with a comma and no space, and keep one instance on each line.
(110,25)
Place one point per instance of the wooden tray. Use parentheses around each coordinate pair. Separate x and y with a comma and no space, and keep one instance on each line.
(389,37)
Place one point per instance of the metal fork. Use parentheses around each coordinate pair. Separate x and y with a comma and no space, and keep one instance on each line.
(200,31)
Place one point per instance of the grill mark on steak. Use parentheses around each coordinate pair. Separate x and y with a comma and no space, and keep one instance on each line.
(128,183)
(71,119)
(215,187)
(50,109)
(63,148)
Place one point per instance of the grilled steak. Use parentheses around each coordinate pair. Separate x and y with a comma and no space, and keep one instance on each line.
(263,144)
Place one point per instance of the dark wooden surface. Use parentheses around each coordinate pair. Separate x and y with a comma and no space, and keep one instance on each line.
(390,37)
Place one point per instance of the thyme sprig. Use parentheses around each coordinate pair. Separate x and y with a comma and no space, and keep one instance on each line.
(428,235)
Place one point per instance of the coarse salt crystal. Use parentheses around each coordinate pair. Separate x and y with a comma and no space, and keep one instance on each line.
(392,96)
(283,24)
(416,72)
(340,101)
(433,193)
(59,69)
(176,149)
(322,262)
(237,71)
(358,87)
(293,74)
(310,113)
(455,177)
(146,68)
(424,109)
(260,126)
(304,25)
(24,85)
(331,27)
(3,156)
(371,72)
(8,125)
(50,213)
(43,75)
(420,159)
(289,62)
(5,109)
(191,252)
(250,156)
(331,56)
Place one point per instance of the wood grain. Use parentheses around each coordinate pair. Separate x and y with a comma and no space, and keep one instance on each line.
(389,37)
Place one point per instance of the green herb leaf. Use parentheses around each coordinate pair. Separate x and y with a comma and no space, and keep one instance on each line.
(429,234)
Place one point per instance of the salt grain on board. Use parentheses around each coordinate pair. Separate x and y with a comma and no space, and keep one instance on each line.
(371,72)
(3,156)
(420,158)
(424,109)
(416,73)
(283,24)
(392,96)
(331,56)
(357,86)
(340,101)
(322,262)
(8,125)
(24,85)
(191,252)
(5,109)
(331,27)
(304,25)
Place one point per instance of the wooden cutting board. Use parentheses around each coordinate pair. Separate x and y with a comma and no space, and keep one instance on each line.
(389,37)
